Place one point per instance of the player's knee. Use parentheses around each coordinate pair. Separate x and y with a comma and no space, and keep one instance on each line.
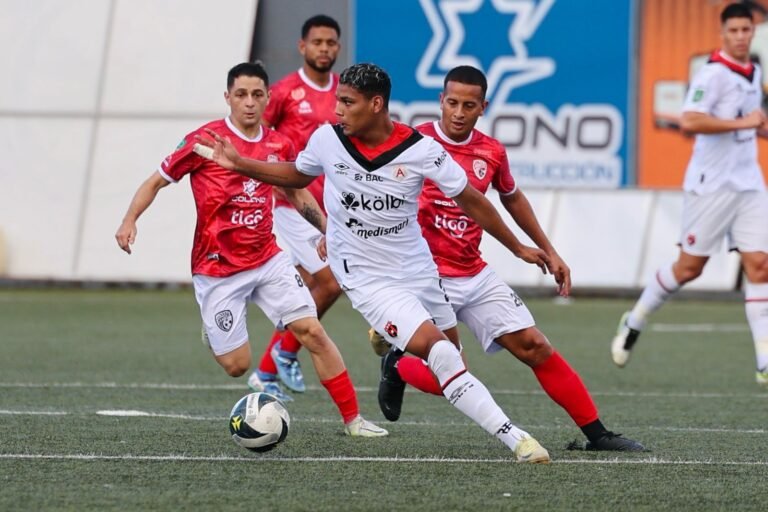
(530,346)
(686,273)
(445,361)
(757,269)
(235,368)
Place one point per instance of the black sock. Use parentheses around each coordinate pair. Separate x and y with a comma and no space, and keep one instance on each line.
(594,430)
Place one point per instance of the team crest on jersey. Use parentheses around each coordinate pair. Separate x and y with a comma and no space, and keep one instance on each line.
(400,173)
(690,239)
(298,93)
(480,167)
(391,329)
(224,320)
(305,107)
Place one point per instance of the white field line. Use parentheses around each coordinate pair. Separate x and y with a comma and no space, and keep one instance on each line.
(361,389)
(699,327)
(428,460)
(132,413)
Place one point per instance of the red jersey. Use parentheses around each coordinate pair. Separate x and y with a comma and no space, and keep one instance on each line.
(234,213)
(296,107)
(453,237)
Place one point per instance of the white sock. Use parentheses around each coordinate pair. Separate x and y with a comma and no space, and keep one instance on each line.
(756,307)
(465,392)
(659,288)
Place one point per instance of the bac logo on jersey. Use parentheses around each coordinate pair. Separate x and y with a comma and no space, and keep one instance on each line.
(391,329)
(480,167)
(298,94)
(224,320)
(400,173)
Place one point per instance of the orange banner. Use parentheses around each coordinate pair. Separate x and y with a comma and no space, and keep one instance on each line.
(677,37)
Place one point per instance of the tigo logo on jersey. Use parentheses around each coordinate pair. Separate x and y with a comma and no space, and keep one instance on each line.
(247,219)
(456,227)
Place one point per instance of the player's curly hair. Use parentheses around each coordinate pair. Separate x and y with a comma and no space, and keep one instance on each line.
(369,79)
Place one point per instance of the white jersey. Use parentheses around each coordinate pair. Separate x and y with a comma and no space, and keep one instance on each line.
(372,232)
(729,159)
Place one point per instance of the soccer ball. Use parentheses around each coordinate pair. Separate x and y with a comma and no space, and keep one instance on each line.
(259,422)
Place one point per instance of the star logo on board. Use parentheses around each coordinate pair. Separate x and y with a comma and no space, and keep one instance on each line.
(511,68)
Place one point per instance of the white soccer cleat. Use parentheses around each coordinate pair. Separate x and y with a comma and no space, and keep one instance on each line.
(529,450)
(360,427)
(625,339)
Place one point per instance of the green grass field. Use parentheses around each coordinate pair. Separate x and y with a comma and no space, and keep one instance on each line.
(65,356)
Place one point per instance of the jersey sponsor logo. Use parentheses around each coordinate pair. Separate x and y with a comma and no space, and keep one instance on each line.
(439,160)
(249,197)
(455,227)
(248,219)
(370,204)
(298,93)
(305,107)
(224,320)
(445,202)
(480,168)
(341,166)
(698,95)
(360,230)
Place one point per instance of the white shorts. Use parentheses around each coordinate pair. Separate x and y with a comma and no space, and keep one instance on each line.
(299,238)
(396,309)
(741,218)
(275,287)
(487,306)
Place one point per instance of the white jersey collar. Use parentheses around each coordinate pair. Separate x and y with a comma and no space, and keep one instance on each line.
(313,85)
(240,134)
(449,140)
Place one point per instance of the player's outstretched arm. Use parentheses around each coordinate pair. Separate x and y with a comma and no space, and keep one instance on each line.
(306,204)
(520,209)
(698,122)
(144,196)
(220,150)
(477,206)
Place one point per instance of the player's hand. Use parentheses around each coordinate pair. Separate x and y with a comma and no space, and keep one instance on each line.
(562,274)
(126,235)
(534,255)
(322,248)
(755,119)
(224,153)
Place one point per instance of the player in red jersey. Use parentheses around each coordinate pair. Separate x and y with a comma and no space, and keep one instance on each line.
(494,313)
(298,104)
(235,258)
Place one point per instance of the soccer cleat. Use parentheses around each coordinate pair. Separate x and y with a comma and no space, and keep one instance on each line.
(622,343)
(259,384)
(530,451)
(610,442)
(360,427)
(289,370)
(762,376)
(391,386)
(378,343)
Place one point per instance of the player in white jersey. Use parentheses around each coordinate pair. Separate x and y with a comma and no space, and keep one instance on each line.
(374,171)
(724,191)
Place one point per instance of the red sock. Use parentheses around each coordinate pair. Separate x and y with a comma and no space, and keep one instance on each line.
(413,371)
(565,387)
(343,395)
(290,343)
(267,365)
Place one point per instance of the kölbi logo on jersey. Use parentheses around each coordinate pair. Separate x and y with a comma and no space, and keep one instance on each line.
(350,201)
(559,108)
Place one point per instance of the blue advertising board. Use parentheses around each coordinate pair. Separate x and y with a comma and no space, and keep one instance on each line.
(558,76)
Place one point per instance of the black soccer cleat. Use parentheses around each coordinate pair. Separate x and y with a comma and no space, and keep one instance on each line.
(391,386)
(610,442)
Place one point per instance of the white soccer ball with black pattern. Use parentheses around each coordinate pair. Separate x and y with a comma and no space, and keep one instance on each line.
(259,422)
